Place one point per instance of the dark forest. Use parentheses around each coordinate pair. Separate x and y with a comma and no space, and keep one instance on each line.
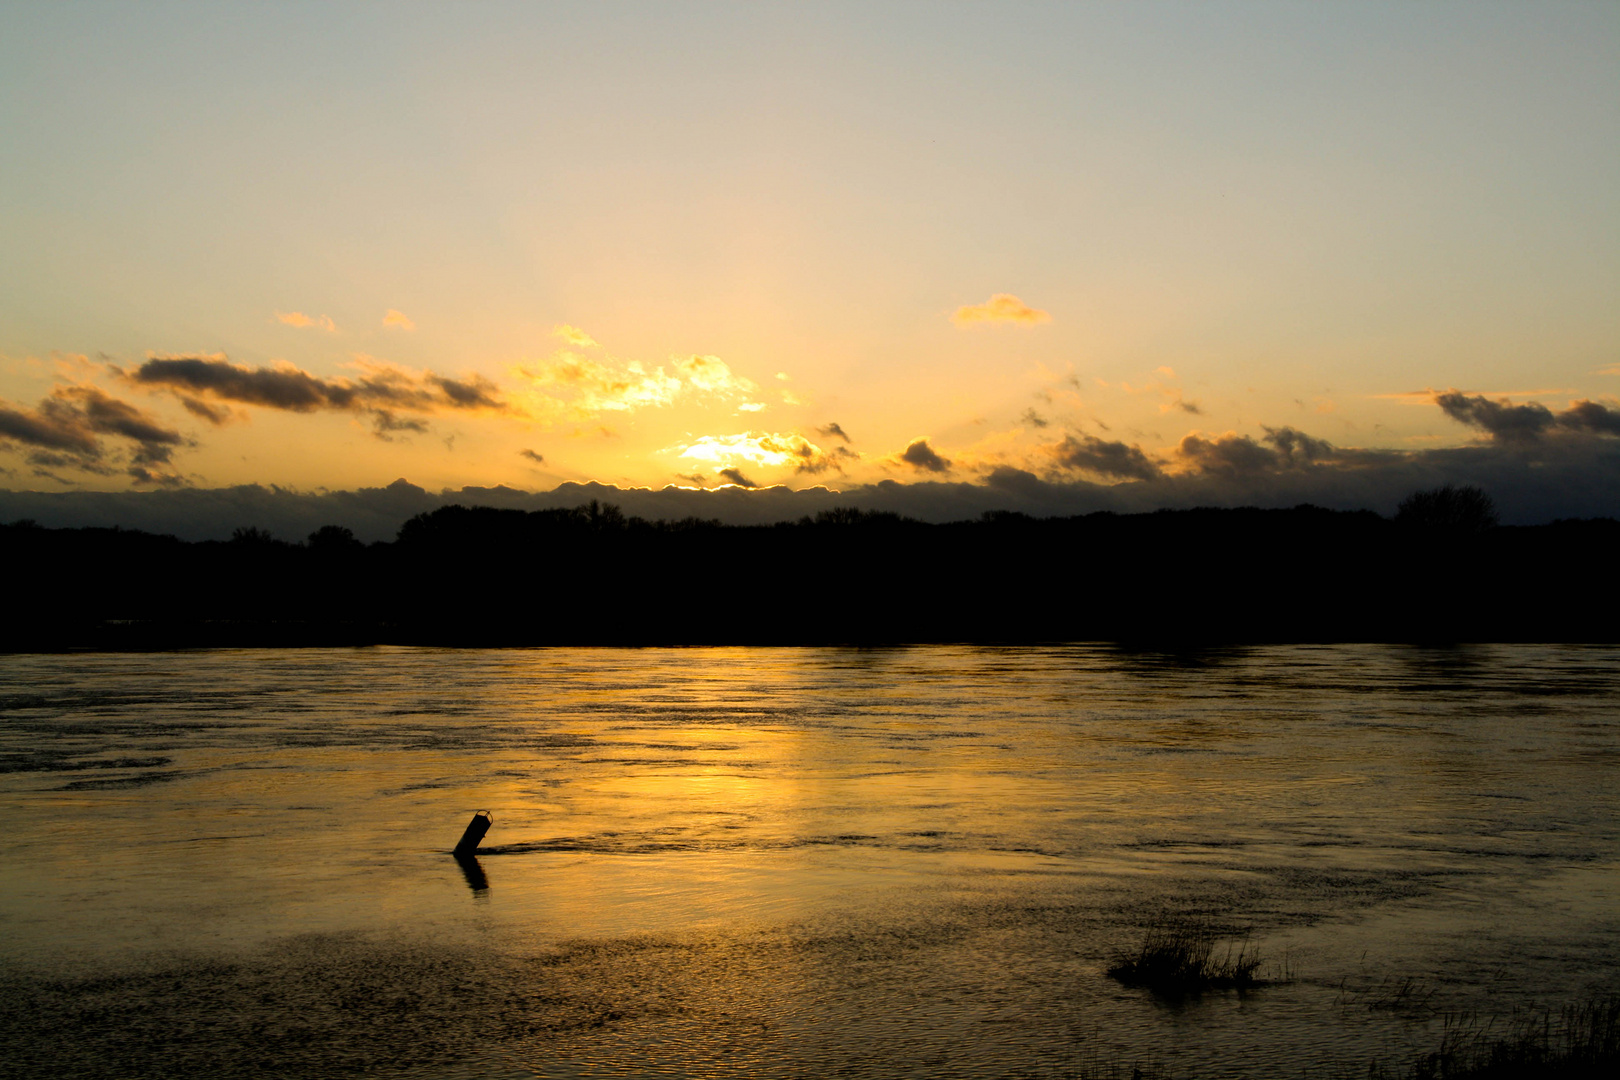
(1439,571)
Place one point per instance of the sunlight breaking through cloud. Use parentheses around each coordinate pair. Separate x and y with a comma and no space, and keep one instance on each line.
(587,387)
(765,449)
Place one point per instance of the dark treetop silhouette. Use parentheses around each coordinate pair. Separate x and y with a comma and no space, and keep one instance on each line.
(475,575)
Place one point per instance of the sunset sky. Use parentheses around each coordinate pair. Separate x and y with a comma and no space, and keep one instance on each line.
(328,246)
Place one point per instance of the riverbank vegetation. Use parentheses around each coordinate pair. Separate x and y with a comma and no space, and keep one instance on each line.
(590,575)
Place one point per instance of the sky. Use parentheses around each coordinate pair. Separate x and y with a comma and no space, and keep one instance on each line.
(1146,253)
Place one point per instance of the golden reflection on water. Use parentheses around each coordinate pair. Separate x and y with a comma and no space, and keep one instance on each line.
(798,860)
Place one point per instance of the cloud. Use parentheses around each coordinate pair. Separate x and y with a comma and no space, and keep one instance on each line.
(300,320)
(1502,420)
(40,429)
(1230,454)
(919,455)
(66,430)
(381,391)
(833,431)
(1298,448)
(1279,449)
(1521,425)
(1087,453)
(385,425)
(1592,417)
(587,387)
(399,319)
(1034,418)
(1000,308)
(736,477)
(765,449)
(574,336)
(1574,476)
(144,477)
(537,458)
(710,375)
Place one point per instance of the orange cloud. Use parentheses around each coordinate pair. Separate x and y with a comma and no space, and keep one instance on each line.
(1000,308)
(398,318)
(300,320)
(574,336)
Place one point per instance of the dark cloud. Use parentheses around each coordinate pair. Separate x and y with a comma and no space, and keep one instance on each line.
(1227,455)
(736,477)
(1034,418)
(271,388)
(49,459)
(1087,453)
(214,414)
(1279,449)
(1502,420)
(34,429)
(919,455)
(1591,417)
(1188,406)
(1523,425)
(809,458)
(538,459)
(65,430)
(475,392)
(143,476)
(1298,448)
(380,391)
(1018,482)
(384,424)
(833,431)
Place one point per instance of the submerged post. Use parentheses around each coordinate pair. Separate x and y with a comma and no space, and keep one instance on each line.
(476,828)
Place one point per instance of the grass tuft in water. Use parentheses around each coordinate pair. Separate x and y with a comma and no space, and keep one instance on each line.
(1177,959)
(1582,1043)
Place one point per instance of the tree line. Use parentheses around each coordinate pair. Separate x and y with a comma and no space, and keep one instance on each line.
(1442,569)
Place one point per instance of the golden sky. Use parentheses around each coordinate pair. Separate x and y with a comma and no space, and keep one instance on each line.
(805,245)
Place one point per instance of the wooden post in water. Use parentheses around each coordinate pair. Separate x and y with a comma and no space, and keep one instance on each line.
(476,828)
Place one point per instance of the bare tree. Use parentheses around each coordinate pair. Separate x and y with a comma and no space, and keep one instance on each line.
(1453,509)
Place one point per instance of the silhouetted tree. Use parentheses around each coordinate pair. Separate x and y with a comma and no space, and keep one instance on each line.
(1453,509)
(333,538)
(252,536)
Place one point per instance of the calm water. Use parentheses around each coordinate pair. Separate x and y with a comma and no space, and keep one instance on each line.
(791,862)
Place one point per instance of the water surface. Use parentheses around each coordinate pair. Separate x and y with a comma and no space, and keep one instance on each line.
(791,862)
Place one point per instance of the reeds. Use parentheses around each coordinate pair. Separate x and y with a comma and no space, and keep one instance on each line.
(1176,959)
(1581,1043)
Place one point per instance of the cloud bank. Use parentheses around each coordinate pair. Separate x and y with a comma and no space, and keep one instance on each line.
(1569,471)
